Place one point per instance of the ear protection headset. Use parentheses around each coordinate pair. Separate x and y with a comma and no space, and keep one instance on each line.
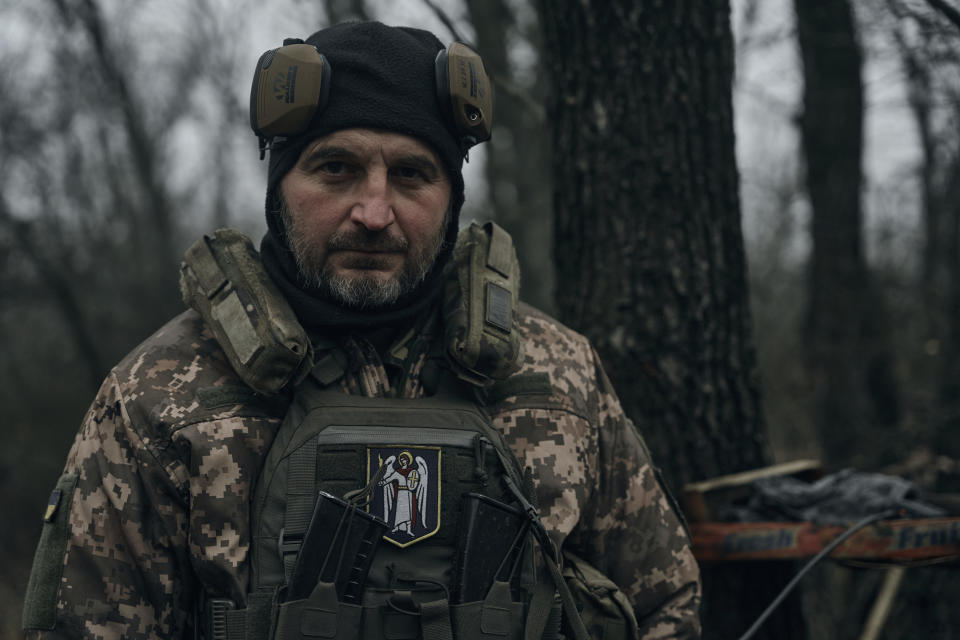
(291,85)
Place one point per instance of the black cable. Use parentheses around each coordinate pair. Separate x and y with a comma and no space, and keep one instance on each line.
(813,561)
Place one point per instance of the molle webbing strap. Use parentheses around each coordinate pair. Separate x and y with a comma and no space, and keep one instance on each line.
(435,620)
(566,597)
(500,255)
(541,605)
(329,367)
(551,558)
(237,624)
(301,497)
(221,621)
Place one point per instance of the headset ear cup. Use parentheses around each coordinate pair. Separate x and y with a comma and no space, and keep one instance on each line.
(442,73)
(262,63)
(465,93)
(291,85)
(325,82)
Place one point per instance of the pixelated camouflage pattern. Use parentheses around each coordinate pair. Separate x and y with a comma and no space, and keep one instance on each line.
(596,486)
(169,451)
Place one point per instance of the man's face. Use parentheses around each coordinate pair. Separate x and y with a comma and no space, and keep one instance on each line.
(365,213)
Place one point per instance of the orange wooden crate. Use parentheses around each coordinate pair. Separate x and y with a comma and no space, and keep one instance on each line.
(887,540)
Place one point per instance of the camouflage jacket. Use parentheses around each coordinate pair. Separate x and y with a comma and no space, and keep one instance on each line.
(154,501)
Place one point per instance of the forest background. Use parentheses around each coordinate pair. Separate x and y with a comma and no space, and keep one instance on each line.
(124,136)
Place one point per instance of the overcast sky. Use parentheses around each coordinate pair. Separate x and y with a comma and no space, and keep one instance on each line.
(766,100)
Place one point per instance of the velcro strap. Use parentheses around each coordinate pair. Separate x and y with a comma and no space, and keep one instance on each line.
(237,624)
(500,254)
(301,498)
(209,275)
(232,317)
(258,621)
(541,605)
(435,620)
(330,367)
(569,604)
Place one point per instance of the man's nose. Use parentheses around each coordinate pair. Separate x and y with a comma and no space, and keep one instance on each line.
(374,207)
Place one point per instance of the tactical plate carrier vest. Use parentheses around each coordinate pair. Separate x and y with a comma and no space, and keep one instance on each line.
(448,557)
(389,519)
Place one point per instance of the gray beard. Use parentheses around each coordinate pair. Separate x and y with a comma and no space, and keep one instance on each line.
(359,292)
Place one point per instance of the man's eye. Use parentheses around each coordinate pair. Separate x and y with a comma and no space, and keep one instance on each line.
(410,173)
(334,167)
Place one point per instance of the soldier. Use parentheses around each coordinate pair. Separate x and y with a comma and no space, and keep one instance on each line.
(362,330)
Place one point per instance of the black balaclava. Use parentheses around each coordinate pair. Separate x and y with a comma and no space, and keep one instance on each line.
(383,78)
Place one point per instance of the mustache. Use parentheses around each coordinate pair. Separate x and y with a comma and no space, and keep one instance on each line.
(362,240)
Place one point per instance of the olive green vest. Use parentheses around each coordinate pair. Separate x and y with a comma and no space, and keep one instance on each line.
(406,519)
(422,579)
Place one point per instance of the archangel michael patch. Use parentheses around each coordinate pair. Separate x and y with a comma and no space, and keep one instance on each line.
(408,495)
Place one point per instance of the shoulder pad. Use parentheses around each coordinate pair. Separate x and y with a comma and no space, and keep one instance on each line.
(223,279)
(481,300)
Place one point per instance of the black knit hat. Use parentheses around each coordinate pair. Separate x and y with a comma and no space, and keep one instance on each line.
(383,78)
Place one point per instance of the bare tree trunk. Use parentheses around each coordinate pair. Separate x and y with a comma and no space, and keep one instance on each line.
(649,253)
(929,51)
(517,171)
(920,95)
(853,390)
(947,433)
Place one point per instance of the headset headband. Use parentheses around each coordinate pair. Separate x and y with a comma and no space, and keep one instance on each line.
(291,85)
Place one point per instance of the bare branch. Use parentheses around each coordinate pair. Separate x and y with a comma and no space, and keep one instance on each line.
(525,98)
(947,11)
(142,144)
(445,19)
(63,294)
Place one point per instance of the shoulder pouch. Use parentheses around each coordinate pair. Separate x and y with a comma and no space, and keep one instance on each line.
(481,301)
(605,610)
(223,279)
